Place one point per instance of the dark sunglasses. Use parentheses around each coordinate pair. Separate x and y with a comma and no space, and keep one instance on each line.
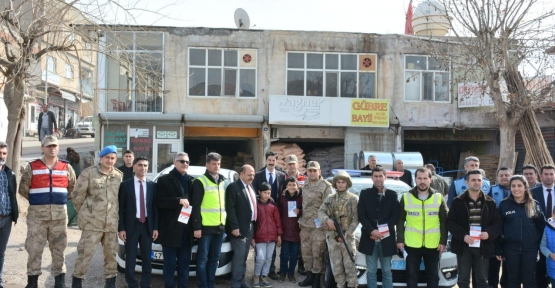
(183,161)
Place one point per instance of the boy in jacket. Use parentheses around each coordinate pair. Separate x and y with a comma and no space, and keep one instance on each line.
(291,239)
(547,247)
(476,211)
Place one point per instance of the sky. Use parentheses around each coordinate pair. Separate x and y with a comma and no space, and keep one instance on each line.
(369,16)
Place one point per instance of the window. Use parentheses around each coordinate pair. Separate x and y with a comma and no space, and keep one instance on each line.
(331,75)
(51,64)
(426,79)
(69,71)
(222,72)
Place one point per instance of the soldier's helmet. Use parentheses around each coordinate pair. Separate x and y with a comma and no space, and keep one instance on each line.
(342,175)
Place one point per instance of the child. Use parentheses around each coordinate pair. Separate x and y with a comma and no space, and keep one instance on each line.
(267,233)
(291,236)
(547,247)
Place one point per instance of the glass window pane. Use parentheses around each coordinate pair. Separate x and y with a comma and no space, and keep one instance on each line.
(331,84)
(230,77)
(415,62)
(119,41)
(248,83)
(412,86)
(295,60)
(367,84)
(214,57)
(332,61)
(314,83)
(441,86)
(295,83)
(214,82)
(427,86)
(230,58)
(148,82)
(314,61)
(149,41)
(348,84)
(197,57)
(196,81)
(434,64)
(348,62)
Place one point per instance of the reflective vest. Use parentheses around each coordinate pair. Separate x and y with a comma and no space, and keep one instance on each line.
(48,186)
(498,193)
(422,223)
(212,208)
(460,185)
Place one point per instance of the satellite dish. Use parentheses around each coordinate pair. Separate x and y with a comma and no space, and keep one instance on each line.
(242,19)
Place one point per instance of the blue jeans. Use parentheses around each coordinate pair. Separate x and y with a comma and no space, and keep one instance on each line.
(288,257)
(43,132)
(372,264)
(5,230)
(179,258)
(208,255)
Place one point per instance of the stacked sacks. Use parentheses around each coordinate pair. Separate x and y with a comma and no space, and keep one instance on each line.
(285,149)
(329,158)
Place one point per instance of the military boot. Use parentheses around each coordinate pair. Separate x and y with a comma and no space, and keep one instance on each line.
(32,281)
(308,280)
(110,283)
(301,269)
(316,282)
(77,283)
(60,281)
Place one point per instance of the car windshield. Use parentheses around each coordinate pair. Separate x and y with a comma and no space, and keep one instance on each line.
(360,183)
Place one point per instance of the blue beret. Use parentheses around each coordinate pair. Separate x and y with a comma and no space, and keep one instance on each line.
(107,150)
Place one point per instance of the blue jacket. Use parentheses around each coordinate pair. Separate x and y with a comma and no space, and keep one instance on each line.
(498,193)
(519,232)
(547,246)
(459,186)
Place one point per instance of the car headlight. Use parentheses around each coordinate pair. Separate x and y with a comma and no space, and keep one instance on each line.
(450,272)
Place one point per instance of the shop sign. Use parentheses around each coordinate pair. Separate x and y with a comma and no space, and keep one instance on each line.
(141,143)
(136,132)
(474,95)
(172,134)
(116,135)
(161,134)
(320,111)
(448,135)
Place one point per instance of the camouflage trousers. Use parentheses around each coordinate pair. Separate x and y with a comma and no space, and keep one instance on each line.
(40,231)
(313,247)
(86,248)
(344,270)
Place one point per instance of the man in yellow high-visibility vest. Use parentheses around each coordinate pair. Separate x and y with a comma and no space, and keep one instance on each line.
(421,230)
(208,219)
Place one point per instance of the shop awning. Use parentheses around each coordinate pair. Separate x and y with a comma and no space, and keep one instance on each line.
(68,96)
(224,118)
(137,116)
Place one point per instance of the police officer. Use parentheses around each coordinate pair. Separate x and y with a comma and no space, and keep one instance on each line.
(96,200)
(343,206)
(498,192)
(421,229)
(459,186)
(47,183)
(313,234)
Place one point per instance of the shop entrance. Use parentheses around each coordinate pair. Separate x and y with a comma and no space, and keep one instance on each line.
(330,153)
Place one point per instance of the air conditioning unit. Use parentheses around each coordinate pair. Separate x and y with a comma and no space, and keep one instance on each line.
(274,133)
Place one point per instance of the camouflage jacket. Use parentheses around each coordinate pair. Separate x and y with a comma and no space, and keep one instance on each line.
(96,199)
(45,212)
(342,205)
(313,197)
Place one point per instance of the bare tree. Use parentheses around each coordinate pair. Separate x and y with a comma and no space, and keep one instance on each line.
(502,44)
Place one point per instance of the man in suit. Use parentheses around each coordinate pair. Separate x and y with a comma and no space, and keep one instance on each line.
(276,179)
(544,194)
(240,206)
(138,221)
(172,193)
(47,122)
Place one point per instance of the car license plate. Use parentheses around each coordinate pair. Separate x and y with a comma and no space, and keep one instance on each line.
(402,265)
(157,256)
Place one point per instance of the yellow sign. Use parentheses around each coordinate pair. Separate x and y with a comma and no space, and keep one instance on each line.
(370,112)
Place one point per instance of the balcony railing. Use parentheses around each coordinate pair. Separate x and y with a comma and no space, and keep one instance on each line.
(122,101)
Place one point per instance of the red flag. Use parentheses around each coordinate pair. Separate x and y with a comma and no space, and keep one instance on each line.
(408,21)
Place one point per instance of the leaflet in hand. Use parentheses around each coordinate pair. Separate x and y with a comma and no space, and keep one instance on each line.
(291,206)
(185,214)
(475,232)
(384,230)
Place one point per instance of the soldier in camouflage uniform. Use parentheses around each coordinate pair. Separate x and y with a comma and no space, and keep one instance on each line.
(313,234)
(96,199)
(47,183)
(342,205)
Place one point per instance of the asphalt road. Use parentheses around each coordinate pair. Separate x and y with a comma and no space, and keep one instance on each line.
(31,146)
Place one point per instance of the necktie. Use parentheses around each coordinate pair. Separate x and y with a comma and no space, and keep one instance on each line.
(141,203)
(271,180)
(253,201)
(549,204)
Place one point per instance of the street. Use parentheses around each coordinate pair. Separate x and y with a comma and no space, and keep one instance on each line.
(31,146)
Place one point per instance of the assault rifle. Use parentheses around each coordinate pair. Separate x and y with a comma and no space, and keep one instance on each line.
(341,235)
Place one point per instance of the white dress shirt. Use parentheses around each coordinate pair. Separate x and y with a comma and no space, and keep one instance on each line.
(250,199)
(137,194)
(268,176)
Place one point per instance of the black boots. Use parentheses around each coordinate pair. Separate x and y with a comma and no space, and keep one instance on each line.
(308,280)
(110,283)
(301,269)
(77,283)
(316,282)
(32,281)
(60,281)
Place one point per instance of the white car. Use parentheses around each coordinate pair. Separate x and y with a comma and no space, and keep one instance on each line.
(448,271)
(85,127)
(224,265)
